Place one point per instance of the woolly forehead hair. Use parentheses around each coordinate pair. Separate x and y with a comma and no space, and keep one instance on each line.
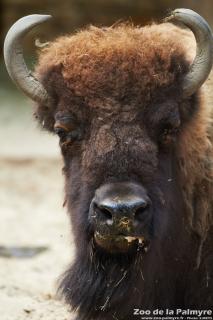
(119,61)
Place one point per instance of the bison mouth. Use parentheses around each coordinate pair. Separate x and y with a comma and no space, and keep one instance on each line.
(120,217)
(121,243)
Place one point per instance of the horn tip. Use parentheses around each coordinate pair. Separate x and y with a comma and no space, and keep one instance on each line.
(180,11)
(39,18)
(31,20)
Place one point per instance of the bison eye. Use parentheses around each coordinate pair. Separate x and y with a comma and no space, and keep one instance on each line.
(67,134)
(61,132)
(168,134)
(170,131)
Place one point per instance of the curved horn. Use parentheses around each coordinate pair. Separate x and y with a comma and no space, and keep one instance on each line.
(14,60)
(202,64)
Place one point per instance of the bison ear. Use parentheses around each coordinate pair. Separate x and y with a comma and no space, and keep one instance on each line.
(45,117)
(45,114)
(53,81)
(189,107)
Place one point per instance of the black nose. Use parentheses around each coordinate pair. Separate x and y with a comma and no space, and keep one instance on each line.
(126,202)
(133,209)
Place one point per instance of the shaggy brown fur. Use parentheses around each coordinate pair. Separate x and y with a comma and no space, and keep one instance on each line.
(119,90)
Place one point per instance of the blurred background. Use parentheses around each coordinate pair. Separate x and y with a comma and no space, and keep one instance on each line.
(35,243)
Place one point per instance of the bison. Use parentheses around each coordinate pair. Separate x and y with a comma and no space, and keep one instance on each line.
(135,133)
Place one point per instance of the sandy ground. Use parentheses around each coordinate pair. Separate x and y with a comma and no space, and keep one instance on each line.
(31,214)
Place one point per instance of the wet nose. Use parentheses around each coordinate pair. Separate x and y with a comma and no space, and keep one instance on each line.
(110,210)
(120,202)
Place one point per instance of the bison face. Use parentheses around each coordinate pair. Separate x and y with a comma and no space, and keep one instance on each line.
(119,172)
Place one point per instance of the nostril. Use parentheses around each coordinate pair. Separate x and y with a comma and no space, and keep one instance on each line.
(140,211)
(106,213)
(103,212)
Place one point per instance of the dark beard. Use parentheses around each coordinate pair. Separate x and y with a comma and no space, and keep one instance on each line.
(104,286)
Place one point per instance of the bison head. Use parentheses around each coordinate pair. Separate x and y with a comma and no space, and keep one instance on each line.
(122,101)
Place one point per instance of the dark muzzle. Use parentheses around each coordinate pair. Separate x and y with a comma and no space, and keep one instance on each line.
(121,215)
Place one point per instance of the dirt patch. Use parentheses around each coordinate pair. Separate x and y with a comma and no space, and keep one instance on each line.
(31,198)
